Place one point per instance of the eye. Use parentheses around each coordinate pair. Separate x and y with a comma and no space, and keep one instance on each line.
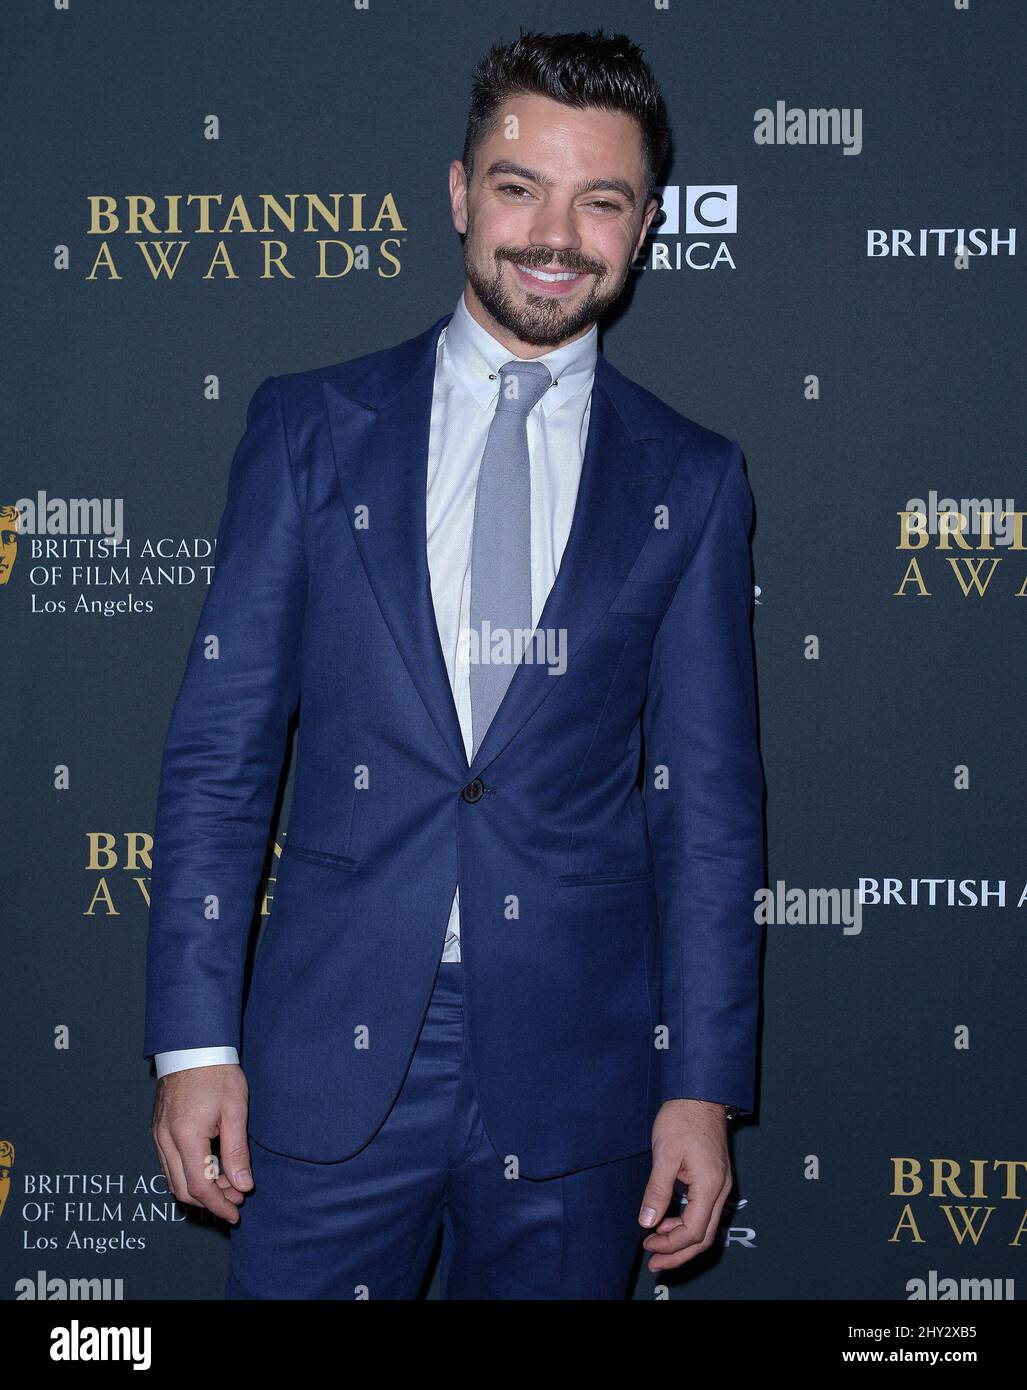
(513,190)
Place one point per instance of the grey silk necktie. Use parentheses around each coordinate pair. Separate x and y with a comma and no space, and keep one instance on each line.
(501,543)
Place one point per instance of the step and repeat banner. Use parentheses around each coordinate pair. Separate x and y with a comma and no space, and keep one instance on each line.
(198,196)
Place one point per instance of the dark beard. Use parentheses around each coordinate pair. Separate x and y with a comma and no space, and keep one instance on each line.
(543,321)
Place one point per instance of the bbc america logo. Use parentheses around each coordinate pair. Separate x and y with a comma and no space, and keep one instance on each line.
(705,216)
(710,209)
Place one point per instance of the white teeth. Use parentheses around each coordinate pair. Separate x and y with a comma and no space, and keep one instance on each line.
(549,279)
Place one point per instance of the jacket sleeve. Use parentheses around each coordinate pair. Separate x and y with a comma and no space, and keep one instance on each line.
(704,808)
(225,744)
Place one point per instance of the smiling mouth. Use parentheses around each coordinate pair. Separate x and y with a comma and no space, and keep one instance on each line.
(547,277)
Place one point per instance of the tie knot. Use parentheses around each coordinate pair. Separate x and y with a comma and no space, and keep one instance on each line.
(522,385)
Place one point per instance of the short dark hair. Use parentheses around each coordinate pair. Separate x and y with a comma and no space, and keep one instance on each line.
(579,70)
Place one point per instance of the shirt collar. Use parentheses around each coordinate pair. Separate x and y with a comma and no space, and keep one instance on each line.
(477,357)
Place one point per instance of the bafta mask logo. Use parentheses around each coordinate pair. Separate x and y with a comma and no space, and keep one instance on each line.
(8,541)
(6,1164)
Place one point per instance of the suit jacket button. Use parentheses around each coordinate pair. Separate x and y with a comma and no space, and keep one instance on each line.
(474,791)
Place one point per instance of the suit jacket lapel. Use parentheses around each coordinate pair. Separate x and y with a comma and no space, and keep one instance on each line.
(380,436)
(380,431)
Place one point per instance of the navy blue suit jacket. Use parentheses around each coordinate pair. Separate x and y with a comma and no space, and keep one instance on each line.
(607,870)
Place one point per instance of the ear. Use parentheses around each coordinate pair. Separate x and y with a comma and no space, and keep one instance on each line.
(651,209)
(458,195)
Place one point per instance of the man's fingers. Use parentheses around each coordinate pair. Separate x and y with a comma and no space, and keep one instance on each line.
(660,1187)
(226,1187)
(201,1167)
(172,1164)
(694,1222)
(163,1161)
(695,1219)
(235,1153)
(694,1234)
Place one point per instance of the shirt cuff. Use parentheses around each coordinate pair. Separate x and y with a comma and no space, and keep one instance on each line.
(186,1057)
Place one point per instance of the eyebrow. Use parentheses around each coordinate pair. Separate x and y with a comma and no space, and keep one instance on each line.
(506,166)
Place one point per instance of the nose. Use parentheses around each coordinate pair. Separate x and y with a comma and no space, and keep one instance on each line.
(554,226)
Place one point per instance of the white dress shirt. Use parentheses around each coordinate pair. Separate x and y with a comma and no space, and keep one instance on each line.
(463,404)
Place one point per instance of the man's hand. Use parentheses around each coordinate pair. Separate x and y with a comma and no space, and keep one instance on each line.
(191,1107)
(690,1145)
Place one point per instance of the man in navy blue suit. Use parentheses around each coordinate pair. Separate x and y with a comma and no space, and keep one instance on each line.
(509,984)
